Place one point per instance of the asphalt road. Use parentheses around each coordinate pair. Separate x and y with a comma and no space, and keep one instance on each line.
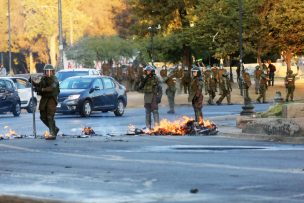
(144,169)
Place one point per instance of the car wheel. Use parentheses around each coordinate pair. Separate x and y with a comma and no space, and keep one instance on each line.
(86,109)
(31,105)
(120,108)
(17,109)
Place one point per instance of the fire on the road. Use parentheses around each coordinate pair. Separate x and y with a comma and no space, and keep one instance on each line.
(8,134)
(183,126)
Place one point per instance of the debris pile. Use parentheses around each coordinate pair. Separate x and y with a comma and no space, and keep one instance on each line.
(180,127)
(88,131)
(9,134)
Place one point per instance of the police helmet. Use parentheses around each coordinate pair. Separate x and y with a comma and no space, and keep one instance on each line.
(48,67)
(148,68)
(195,68)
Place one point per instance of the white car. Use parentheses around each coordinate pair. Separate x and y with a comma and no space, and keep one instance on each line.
(66,73)
(25,93)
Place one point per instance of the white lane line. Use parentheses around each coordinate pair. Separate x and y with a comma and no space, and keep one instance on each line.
(166,162)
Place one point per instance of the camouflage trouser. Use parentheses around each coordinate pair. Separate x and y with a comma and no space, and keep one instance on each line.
(290,91)
(47,114)
(186,86)
(211,96)
(198,114)
(257,85)
(151,108)
(225,93)
(262,93)
(171,97)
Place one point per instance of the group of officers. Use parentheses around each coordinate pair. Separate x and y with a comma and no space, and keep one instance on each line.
(211,80)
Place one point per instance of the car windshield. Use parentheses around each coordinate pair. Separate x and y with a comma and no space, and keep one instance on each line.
(63,75)
(76,83)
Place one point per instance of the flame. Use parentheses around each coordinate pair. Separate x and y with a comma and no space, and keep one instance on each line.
(9,134)
(47,134)
(177,127)
(88,131)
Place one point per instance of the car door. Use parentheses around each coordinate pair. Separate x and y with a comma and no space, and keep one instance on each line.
(3,90)
(8,96)
(110,98)
(24,90)
(97,94)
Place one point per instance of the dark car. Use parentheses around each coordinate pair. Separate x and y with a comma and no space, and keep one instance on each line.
(63,74)
(9,99)
(85,94)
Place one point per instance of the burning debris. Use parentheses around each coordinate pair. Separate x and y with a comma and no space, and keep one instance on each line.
(183,126)
(9,134)
(88,131)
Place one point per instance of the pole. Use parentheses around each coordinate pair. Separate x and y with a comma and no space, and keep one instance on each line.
(34,112)
(60,64)
(152,48)
(248,108)
(11,72)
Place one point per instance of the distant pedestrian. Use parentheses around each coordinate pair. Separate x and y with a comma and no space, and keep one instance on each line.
(3,72)
(272,70)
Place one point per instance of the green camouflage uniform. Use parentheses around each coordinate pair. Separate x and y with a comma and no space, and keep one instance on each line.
(170,92)
(186,80)
(290,85)
(257,76)
(149,84)
(225,88)
(211,82)
(207,74)
(263,88)
(196,97)
(48,88)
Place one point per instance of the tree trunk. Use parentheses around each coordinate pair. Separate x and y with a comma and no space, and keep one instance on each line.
(259,56)
(32,63)
(287,55)
(52,48)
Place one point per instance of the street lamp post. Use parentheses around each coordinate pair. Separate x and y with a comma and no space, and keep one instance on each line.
(153,31)
(248,108)
(60,63)
(11,72)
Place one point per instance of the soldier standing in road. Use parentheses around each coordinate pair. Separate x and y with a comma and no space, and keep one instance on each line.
(195,94)
(225,87)
(221,71)
(214,70)
(207,74)
(179,73)
(263,87)
(290,84)
(257,76)
(170,92)
(48,88)
(211,82)
(151,88)
(186,80)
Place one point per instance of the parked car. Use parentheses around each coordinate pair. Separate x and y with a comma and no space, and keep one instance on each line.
(25,93)
(85,94)
(66,73)
(9,98)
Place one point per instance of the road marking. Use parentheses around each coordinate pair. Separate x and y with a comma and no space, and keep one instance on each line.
(166,162)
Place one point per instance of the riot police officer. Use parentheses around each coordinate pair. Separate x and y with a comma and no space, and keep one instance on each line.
(195,93)
(290,84)
(48,88)
(225,88)
(152,95)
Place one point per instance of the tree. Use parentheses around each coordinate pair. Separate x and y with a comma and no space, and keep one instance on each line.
(286,28)
(100,49)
